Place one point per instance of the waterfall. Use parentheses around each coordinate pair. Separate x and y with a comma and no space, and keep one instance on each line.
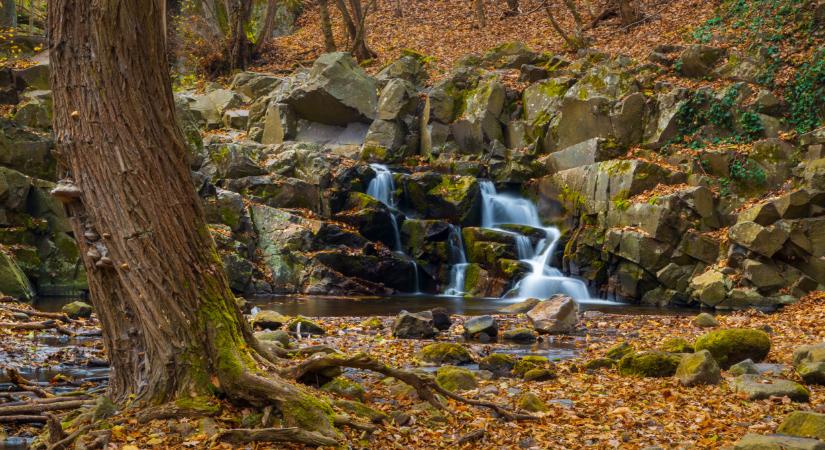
(382,188)
(458,261)
(543,280)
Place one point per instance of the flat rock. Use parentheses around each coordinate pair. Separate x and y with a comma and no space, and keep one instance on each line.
(757,388)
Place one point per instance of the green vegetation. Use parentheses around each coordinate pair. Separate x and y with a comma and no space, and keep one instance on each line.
(806,95)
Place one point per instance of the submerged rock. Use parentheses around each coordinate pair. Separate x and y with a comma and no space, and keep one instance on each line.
(556,315)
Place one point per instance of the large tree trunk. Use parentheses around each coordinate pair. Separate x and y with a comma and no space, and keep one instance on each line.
(326,26)
(171,327)
(8,14)
(238,53)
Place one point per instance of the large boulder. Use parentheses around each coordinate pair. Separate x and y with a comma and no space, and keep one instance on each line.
(584,153)
(698,60)
(208,108)
(337,92)
(445,353)
(765,241)
(477,326)
(556,315)
(414,325)
(730,346)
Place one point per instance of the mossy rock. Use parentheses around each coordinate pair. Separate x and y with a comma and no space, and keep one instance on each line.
(531,402)
(445,353)
(677,345)
(454,378)
(520,335)
(804,424)
(698,368)
(600,363)
(651,364)
(278,336)
(500,364)
(539,375)
(705,320)
(361,410)
(373,323)
(345,388)
(269,320)
(619,351)
(306,326)
(77,310)
(529,363)
(733,345)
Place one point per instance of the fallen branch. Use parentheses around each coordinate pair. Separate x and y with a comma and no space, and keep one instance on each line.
(36,326)
(425,385)
(67,441)
(172,411)
(23,419)
(33,408)
(240,436)
(26,385)
(47,315)
(343,419)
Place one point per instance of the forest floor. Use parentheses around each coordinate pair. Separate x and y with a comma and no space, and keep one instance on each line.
(446,30)
(594,409)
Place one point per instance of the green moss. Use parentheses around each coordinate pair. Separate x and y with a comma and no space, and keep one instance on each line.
(529,363)
(454,378)
(445,353)
(307,412)
(804,424)
(496,361)
(373,323)
(600,363)
(539,375)
(730,346)
(454,189)
(619,350)
(677,345)
(345,388)
(307,326)
(374,153)
(649,364)
(531,402)
(361,410)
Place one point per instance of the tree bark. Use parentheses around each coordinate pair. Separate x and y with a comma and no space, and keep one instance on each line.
(171,327)
(238,53)
(355,18)
(266,29)
(479,7)
(628,13)
(326,26)
(8,14)
(512,8)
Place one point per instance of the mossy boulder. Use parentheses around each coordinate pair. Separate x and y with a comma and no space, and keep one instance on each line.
(705,320)
(531,362)
(454,378)
(445,353)
(520,335)
(698,368)
(804,424)
(270,320)
(809,361)
(743,367)
(539,375)
(77,310)
(650,364)
(454,198)
(359,409)
(305,326)
(345,388)
(499,364)
(531,402)
(676,345)
(732,345)
(279,336)
(600,363)
(372,323)
(619,351)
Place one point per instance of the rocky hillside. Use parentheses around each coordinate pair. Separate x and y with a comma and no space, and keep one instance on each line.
(687,178)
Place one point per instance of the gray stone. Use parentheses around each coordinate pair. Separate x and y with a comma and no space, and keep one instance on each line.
(582,154)
(77,310)
(236,118)
(414,325)
(755,387)
(763,240)
(699,60)
(520,307)
(762,275)
(556,315)
(269,320)
(705,320)
(698,368)
(809,361)
(777,442)
(475,326)
(397,99)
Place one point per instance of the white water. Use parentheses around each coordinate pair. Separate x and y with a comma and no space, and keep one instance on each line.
(382,188)
(458,259)
(544,281)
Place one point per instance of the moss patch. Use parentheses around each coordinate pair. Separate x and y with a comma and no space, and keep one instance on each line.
(730,346)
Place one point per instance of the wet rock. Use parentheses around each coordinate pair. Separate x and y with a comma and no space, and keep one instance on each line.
(755,387)
(499,364)
(520,335)
(269,320)
(777,442)
(698,368)
(744,367)
(478,325)
(531,402)
(652,364)
(345,388)
(441,319)
(556,315)
(731,346)
(414,325)
(520,307)
(705,320)
(77,310)
(336,92)
(453,198)
(372,323)
(804,424)
(445,353)
(809,361)
(455,379)
(305,326)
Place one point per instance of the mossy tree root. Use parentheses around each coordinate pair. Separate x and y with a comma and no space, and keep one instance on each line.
(425,385)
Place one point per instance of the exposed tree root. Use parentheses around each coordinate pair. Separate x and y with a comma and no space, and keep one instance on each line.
(34,326)
(172,411)
(24,384)
(425,386)
(343,419)
(34,408)
(23,419)
(47,315)
(241,436)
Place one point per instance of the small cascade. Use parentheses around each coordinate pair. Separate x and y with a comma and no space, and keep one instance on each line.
(458,261)
(382,188)
(543,281)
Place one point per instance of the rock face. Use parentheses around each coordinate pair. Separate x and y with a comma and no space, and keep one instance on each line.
(13,281)
(556,315)
(731,346)
(698,368)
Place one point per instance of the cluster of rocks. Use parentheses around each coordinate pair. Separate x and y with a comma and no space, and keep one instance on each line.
(284,171)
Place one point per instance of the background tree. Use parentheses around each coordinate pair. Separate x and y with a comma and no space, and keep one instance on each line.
(326,26)
(478,5)
(574,39)
(355,21)
(512,8)
(8,14)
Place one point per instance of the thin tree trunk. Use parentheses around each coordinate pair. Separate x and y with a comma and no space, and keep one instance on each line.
(171,327)
(326,26)
(266,29)
(577,18)
(572,42)
(628,13)
(238,53)
(479,7)
(355,22)
(8,14)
